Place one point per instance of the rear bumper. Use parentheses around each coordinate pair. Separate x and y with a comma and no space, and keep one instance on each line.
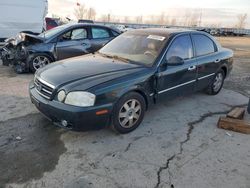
(78,118)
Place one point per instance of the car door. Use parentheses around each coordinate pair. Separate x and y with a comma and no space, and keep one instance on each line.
(177,77)
(100,36)
(207,59)
(72,43)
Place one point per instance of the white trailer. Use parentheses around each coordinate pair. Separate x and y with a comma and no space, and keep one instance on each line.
(21,15)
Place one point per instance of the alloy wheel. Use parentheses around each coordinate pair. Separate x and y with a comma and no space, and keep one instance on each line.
(218,82)
(129,113)
(40,61)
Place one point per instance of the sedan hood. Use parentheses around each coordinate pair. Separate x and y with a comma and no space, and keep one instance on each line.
(86,67)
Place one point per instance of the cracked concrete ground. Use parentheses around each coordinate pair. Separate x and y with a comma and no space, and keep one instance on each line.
(177,145)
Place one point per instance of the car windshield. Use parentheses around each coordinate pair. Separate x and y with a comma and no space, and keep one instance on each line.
(52,32)
(135,48)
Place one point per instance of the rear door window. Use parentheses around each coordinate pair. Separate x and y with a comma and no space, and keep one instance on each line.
(75,34)
(99,33)
(203,45)
(79,34)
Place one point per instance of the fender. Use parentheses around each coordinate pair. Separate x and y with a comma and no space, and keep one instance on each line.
(139,90)
(224,67)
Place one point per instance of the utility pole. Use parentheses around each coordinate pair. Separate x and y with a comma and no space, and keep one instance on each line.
(200,18)
(109,17)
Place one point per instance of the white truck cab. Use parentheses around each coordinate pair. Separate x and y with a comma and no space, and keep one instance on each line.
(21,15)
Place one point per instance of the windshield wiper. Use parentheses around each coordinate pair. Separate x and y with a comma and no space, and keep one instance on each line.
(121,58)
(126,60)
(105,55)
(115,57)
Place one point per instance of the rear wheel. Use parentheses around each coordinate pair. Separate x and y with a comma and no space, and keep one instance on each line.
(128,113)
(217,83)
(39,61)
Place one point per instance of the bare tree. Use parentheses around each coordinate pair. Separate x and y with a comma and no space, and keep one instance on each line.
(151,19)
(109,17)
(242,18)
(162,19)
(139,19)
(214,25)
(186,18)
(80,11)
(173,22)
(126,19)
(194,20)
(91,13)
(105,18)
(190,18)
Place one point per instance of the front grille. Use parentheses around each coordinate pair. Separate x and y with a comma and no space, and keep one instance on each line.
(43,88)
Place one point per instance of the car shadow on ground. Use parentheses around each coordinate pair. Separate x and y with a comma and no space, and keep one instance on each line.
(29,147)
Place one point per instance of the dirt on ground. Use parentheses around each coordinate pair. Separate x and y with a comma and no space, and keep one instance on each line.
(239,79)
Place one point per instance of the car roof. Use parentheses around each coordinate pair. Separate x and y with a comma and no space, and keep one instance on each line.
(86,24)
(166,32)
(91,24)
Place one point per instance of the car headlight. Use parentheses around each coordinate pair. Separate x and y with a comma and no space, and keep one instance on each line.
(61,95)
(80,98)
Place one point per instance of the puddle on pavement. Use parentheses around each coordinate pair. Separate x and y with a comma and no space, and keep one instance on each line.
(29,146)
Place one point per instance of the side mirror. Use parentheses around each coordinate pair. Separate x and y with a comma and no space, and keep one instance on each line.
(175,60)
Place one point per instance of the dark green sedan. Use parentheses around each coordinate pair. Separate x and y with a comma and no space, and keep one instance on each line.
(115,86)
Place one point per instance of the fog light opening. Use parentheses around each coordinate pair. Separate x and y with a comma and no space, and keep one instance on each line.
(64,123)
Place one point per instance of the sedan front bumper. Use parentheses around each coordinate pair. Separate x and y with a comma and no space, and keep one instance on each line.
(77,118)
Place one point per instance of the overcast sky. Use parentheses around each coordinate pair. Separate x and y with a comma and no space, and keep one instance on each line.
(223,12)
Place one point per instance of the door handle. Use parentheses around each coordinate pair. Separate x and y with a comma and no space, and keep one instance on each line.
(192,68)
(217,61)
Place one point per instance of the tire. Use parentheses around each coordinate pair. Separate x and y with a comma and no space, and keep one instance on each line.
(128,113)
(216,85)
(34,61)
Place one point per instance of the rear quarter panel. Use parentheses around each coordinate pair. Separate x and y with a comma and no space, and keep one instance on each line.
(226,63)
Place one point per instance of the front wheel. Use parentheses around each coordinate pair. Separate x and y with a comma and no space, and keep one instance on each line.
(128,113)
(39,61)
(216,85)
